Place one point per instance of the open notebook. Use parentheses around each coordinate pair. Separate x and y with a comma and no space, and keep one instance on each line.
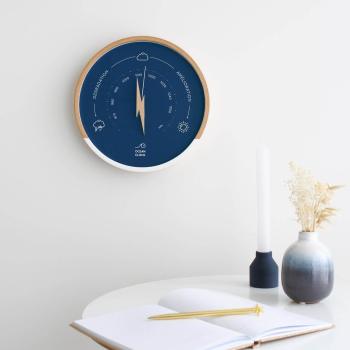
(131,329)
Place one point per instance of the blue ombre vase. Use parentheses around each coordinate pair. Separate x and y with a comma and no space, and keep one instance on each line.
(307,270)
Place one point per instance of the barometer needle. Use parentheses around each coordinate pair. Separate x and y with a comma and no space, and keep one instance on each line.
(140,104)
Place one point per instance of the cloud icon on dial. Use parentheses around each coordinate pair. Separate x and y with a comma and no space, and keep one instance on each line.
(142,57)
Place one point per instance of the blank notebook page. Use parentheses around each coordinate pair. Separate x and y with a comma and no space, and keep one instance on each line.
(131,329)
(271,323)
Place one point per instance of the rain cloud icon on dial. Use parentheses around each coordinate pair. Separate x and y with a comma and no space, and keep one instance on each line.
(98,125)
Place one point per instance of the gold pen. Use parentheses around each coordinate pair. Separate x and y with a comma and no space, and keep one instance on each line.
(215,313)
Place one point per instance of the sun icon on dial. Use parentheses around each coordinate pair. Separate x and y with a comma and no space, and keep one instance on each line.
(183,127)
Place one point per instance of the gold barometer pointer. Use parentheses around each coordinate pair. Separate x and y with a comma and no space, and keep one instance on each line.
(140,102)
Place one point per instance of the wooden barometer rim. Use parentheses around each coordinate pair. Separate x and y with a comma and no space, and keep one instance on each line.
(130,40)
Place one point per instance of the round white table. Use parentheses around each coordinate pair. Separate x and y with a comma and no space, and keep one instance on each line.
(334,309)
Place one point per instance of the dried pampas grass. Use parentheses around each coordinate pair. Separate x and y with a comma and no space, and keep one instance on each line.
(311,199)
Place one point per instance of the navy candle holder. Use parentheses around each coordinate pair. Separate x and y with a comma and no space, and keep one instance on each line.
(263,272)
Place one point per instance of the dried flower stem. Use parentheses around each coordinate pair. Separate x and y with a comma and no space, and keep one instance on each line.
(311,199)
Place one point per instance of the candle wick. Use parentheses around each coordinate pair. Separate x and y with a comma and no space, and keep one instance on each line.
(262,142)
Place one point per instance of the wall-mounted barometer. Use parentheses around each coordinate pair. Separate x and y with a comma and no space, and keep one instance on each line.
(141,103)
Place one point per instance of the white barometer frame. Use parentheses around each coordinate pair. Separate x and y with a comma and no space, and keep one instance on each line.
(86,71)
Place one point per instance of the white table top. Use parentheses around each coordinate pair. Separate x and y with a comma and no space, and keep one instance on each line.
(334,309)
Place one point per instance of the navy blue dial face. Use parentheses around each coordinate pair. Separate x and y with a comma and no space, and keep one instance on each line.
(142,104)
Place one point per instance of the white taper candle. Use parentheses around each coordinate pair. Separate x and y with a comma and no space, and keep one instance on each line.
(263,198)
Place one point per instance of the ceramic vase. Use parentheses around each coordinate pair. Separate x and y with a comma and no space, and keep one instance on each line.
(307,269)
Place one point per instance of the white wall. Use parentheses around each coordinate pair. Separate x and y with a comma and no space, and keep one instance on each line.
(74,227)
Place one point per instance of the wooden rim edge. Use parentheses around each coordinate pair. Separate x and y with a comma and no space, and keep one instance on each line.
(129,40)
